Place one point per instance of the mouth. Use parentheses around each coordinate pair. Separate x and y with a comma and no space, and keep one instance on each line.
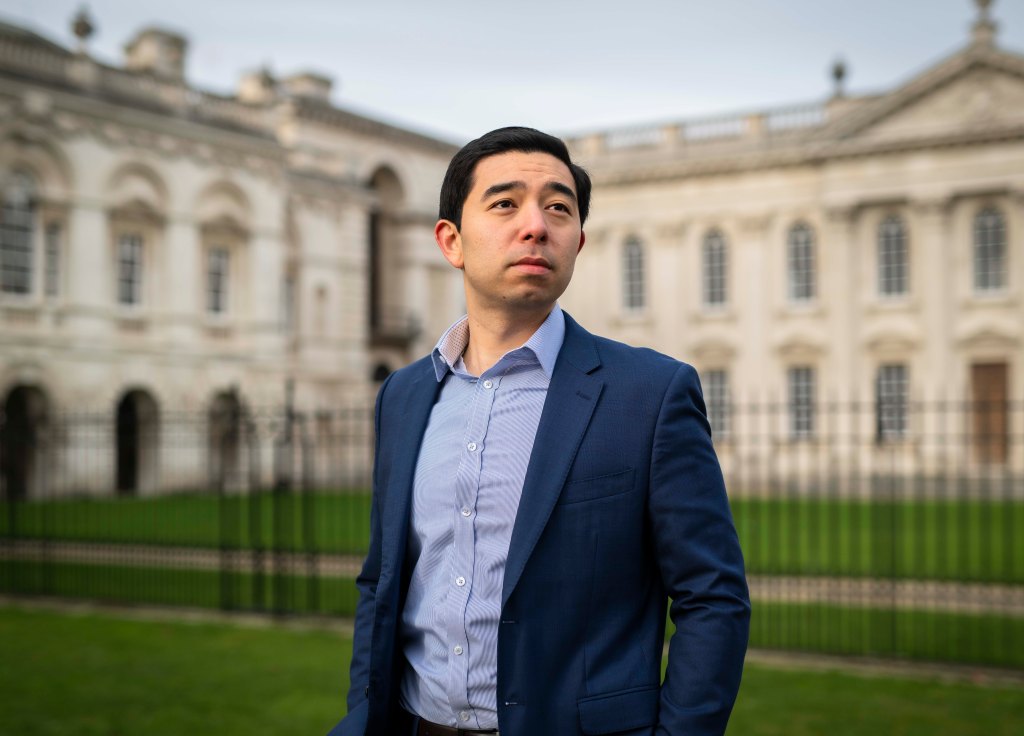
(532,265)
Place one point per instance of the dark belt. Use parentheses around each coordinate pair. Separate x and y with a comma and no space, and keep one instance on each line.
(426,728)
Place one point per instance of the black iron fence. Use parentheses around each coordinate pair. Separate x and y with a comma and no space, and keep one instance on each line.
(893,536)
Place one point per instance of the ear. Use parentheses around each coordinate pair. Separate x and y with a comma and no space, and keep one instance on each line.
(583,239)
(449,241)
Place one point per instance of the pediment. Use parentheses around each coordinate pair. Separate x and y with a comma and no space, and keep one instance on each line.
(969,93)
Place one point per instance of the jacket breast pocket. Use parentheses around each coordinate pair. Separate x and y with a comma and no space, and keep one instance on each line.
(602,486)
(621,712)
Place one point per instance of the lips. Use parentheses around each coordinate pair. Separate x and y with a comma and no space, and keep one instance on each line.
(530,264)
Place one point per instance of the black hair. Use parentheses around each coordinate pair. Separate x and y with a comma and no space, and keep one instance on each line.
(458,180)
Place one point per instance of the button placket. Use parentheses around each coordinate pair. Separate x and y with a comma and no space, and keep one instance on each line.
(467,489)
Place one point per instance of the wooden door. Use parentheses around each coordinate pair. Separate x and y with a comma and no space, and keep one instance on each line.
(989,394)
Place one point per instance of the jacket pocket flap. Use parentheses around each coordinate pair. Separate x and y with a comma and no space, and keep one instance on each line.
(603,486)
(621,711)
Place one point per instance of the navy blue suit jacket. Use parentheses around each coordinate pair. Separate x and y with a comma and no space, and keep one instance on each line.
(623,508)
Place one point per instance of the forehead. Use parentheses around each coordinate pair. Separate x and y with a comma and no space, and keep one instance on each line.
(513,166)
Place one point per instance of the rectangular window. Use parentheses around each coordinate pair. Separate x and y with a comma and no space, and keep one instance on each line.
(217,280)
(801,266)
(633,276)
(716,396)
(989,251)
(16,248)
(288,304)
(129,269)
(891,401)
(714,270)
(892,258)
(52,284)
(801,402)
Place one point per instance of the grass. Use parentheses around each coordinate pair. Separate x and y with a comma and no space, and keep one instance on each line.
(923,635)
(991,640)
(92,675)
(98,676)
(974,540)
(336,523)
(970,540)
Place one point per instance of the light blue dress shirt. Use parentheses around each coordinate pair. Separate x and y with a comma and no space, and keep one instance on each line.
(469,477)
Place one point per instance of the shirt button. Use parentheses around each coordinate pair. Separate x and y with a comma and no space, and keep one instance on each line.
(471,447)
(457,649)
(466,512)
(463,716)
(488,383)
(460,581)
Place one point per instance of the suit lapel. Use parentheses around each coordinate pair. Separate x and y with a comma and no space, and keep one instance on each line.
(411,409)
(572,396)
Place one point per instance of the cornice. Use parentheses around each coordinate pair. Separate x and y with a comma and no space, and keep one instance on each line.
(814,154)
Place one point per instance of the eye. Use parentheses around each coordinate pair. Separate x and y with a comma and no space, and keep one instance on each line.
(503,204)
(561,207)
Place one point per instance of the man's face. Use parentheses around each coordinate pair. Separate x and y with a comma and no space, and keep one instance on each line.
(520,233)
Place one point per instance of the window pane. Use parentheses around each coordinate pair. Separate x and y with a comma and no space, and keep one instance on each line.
(288,303)
(129,286)
(633,275)
(801,263)
(53,233)
(892,399)
(715,266)
(989,250)
(16,236)
(801,402)
(716,396)
(892,257)
(217,280)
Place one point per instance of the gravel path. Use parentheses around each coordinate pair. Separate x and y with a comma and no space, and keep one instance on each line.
(951,597)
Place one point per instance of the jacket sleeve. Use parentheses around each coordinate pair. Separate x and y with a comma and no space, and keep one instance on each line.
(366,583)
(700,564)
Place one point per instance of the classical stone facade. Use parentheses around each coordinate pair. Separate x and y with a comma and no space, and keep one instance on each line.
(867,250)
(169,252)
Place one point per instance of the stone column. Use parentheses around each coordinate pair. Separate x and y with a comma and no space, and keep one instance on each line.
(839,294)
(91,272)
(932,284)
(183,282)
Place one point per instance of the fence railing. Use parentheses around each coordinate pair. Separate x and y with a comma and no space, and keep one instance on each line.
(895,537)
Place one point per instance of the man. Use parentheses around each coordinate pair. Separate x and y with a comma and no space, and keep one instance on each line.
(539,494)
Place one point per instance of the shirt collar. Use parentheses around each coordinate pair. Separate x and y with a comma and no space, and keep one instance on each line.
(545,344)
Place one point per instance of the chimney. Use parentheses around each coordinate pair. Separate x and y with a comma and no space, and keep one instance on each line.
(257,87)
(309,86)
(157,51)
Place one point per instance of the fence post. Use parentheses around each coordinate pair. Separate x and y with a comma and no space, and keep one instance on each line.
(308,517)
(255,516)
(282,506)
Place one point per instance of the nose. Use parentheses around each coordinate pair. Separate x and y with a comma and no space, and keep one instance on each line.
(534,226)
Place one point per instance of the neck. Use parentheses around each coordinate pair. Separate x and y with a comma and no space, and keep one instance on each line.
(493,335)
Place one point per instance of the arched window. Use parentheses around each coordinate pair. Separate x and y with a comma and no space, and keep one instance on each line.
(989,250)
(801,263)
(893,268)
(633,276)
(17,223)
(715,269)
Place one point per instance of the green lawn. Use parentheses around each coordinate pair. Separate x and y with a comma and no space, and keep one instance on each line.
(930,539)
(327,522)
(93,675)
(974,540)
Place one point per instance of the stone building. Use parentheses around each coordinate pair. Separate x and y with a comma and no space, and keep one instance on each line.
(866,251)
(172,259)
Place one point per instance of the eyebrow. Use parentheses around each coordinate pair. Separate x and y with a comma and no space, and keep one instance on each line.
(507,186)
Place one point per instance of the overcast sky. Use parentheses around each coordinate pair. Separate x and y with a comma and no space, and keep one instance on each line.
(456,68)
